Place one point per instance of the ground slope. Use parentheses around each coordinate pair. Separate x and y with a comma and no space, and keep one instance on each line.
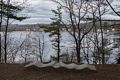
(18,72)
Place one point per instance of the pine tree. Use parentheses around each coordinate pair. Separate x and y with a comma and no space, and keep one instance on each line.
(8,11)
(55,31)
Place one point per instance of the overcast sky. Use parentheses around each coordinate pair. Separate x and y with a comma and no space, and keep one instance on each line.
(39,11)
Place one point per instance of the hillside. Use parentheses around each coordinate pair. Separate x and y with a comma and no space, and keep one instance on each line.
(18,72)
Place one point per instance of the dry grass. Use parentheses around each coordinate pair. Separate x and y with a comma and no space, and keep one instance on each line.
(18,72)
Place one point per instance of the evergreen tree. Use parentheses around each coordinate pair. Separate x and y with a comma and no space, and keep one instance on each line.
(8,11)
(55,31)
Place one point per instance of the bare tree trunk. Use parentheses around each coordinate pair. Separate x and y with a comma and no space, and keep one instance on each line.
(78,53)
(40,51)
(58,53)
(1,5)
(96,41)
(6,31)
(101,28)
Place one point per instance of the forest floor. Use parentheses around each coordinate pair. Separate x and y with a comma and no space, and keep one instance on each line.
(19,72)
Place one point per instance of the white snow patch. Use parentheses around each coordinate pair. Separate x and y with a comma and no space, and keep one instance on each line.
(61,64)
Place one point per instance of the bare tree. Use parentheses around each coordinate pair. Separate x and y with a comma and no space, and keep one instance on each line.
(75,10)
(14,47)
(26,50)
(39,44)
(1,16)
(98,10)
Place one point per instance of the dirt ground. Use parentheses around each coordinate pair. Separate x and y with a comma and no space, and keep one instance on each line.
(19,72)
